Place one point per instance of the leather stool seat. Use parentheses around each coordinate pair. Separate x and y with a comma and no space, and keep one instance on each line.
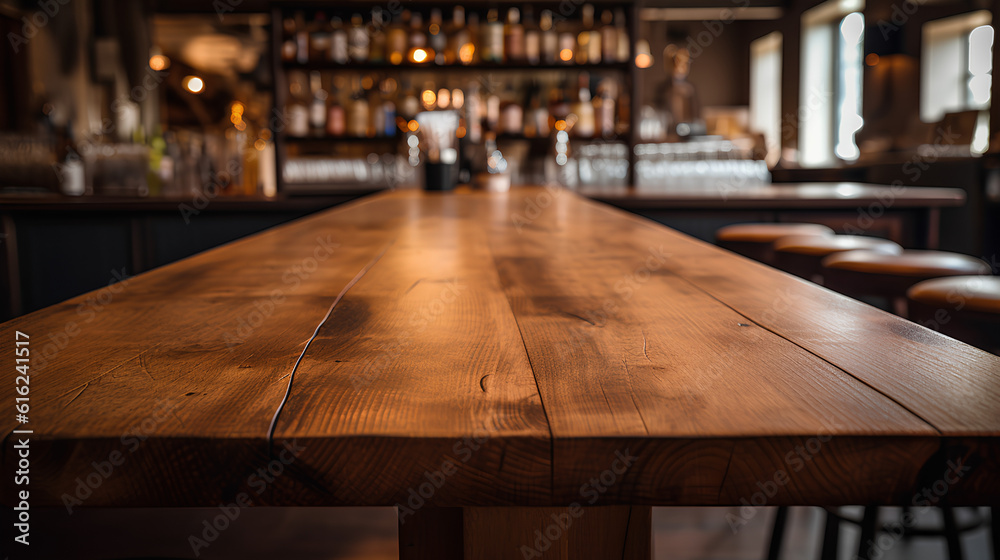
(802,255)
(755,240)
(962,307)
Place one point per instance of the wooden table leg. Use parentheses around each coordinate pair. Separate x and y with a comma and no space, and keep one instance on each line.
(513,533)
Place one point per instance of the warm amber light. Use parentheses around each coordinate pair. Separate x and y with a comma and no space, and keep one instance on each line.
(238,108)
(466,52)
(643,60)
(444,98)
(159,62)
(560,125)
(260,145)
(457,98)
(367,82)
(194,84)
(871,59)
(566,55)
(418,56)
(434,29)
(413,126)
(460,133)
(428,97)
(396,58)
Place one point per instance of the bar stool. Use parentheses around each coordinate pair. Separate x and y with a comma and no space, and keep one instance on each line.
(962,307)
(802,255)
(755,240)
(864,273)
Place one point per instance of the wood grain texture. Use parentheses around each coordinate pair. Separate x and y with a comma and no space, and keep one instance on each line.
(502,350)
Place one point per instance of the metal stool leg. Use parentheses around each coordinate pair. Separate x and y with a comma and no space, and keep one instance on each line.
(995,532)
(951,534)
(831,534)
(777,533)
(868,523)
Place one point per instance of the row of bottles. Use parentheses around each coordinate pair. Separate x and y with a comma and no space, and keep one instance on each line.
(405,38)
(325,105)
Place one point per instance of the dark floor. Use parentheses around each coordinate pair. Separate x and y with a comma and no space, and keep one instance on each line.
(370,534)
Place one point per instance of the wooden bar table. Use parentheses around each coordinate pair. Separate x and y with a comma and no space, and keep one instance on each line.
(910,216)
(522,374)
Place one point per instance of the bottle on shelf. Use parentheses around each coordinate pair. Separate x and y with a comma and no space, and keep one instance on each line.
(419,52)
(317,107)
(536,117)
(513,39)
(492,115)
(473,113)
(387,108)
(558,106)
(604,109)
(474,52)
(511,113)
(358,115)
(609,37)
(549,38)
(319,37)
(583,108)
(336,123)
(377,39)
(459,48)
(396,40)
(492,43)
(410,105)
(338,42)
(437,41)
(358,43)
(624,44)
(588,49)
(532,38)
(298,112)
(567,42)
(289,46)
(301,39)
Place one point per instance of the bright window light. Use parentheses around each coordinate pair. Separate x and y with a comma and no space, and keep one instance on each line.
(852,30)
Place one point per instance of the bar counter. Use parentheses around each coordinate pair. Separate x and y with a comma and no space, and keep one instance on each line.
(497,353)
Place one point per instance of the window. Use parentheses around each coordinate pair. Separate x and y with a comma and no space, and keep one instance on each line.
(956,70)
(830,86)
(765,92)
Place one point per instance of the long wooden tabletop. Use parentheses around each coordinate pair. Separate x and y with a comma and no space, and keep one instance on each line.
(506,349)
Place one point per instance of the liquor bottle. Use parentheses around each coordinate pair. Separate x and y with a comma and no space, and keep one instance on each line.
(567,41)
(437,41)
(301,39)
(583,108)
(549,38)
(396,41)
(536,118)
(388,110)
(604,109)
(338,42)
(319,37)
(624,44)
(418,52)
(492,43)
(609,38)
(532,37)
(558,106)
(511,113)
(289,45)
(317,107)
(459,47)
(473,113)
(376,51)
(336,123)
(358,43)
(588,39)
(410,105)
(492,116)
(474,52)
(513,37)
(298,117)
(358,116)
